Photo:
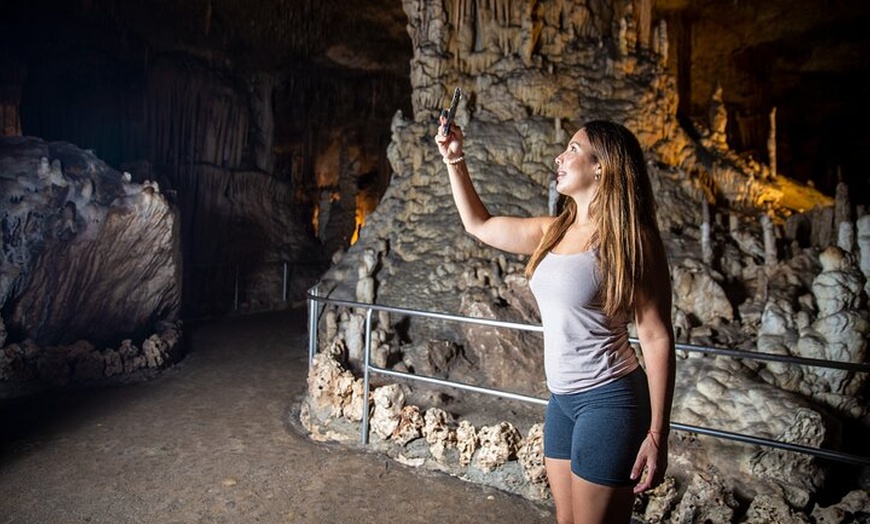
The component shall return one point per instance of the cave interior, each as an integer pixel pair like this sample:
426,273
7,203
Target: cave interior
304,92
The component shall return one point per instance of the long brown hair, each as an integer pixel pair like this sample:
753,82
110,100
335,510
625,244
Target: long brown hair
622,211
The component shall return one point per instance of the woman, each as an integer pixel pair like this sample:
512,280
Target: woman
591,268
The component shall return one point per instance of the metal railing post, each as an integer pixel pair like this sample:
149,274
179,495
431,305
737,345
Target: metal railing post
364,437
284,284
236,291
312,327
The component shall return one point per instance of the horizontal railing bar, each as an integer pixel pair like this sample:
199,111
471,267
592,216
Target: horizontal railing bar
716,433
737,353
430,314
727,435
460,385
749,439
790,359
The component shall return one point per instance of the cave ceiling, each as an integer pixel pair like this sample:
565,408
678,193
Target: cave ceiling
263,35
807,58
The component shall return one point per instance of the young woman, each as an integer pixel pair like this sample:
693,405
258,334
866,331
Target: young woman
592,269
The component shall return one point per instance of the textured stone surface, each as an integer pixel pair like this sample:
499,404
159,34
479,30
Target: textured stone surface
90,259
388,404
707,499
498,444
767,508
855,506
751,295
86,252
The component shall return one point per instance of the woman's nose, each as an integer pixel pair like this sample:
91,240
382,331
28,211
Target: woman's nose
558,160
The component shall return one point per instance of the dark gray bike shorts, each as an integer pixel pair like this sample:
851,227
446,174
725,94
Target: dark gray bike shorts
600,430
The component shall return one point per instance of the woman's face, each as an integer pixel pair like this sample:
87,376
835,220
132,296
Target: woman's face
576,167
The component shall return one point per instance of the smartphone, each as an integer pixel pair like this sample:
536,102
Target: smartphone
450,113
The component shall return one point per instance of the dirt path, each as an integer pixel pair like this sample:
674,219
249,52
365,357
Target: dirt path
209,442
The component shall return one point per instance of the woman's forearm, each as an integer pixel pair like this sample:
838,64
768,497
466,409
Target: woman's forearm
471,209
660,363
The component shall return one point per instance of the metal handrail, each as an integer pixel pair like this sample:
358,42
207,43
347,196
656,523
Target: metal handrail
368,368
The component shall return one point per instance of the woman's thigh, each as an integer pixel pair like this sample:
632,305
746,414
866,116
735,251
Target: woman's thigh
608,425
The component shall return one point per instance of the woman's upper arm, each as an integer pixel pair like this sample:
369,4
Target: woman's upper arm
653,296
513,234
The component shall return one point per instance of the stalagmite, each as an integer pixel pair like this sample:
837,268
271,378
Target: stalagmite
769,236
718,119
388,403
706,243
842,205
846,237
466,442
531,456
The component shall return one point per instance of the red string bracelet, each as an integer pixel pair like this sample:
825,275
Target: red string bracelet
652,435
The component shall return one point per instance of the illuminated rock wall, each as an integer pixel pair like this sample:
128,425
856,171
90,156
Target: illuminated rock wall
530,77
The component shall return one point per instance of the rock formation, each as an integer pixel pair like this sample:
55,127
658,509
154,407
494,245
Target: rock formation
90,260
526,78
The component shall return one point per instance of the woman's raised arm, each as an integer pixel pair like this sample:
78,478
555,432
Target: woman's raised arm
511,234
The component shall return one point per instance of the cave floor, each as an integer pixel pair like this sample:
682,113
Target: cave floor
211,441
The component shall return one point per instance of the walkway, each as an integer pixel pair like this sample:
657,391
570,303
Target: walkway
209,442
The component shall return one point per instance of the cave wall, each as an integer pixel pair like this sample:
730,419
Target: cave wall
216,112
801,59
742,277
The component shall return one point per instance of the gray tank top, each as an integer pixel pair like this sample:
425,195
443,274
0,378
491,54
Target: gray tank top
583,348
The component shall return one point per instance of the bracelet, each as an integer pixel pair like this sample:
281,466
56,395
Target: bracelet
454,161
653,437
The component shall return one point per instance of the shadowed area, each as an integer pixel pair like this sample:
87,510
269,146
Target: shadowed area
211,440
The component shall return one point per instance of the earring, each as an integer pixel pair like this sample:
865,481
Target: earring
598,175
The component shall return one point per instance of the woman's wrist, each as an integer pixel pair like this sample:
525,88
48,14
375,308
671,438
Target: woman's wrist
452,161
656,438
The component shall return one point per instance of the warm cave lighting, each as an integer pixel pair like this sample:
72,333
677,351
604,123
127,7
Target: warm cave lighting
360,221
366,202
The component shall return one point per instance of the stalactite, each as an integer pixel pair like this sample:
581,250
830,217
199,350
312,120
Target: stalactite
628,31
660,41
771,143
192,122
530,35
644,23
208,15
623,36
468,33
461,7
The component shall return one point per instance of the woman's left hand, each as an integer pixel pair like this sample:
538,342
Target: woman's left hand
651,462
